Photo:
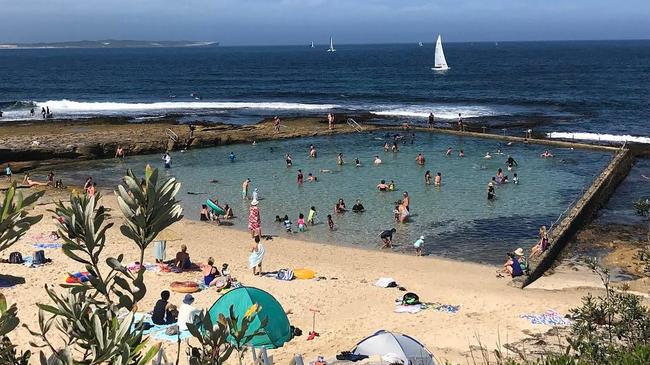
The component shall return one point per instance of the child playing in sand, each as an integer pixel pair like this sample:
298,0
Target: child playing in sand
418,246
330,222
301,222
311,216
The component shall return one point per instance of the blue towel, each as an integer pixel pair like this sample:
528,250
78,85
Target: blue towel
162,336
43,245
146,318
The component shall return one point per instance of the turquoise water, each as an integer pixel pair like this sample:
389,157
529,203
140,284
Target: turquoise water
456,219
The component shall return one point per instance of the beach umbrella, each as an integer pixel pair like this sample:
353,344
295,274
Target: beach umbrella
391,344
277,330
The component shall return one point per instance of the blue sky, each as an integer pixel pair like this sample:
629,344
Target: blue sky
243,22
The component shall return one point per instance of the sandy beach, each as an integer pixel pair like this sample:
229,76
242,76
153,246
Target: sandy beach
350,306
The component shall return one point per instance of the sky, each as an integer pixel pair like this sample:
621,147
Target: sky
279,22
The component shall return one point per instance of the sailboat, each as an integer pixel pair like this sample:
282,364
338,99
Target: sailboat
331,49
420,44
439,61
312,44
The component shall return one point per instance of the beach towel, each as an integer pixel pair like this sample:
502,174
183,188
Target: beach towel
162,336
412,309
160,250
47,245
549,318
446,308
77,277
256,257
135,267
386,283
146,318
5,283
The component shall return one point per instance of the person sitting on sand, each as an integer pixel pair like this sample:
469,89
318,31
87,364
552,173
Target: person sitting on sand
182,260
311,216
512,266
418,246
382,186
377,160
340,206
256,257
358,207
420,159
542,244
186,312
487,156
547,154
387,237
210,273
163,311
427,177
28,180
519,252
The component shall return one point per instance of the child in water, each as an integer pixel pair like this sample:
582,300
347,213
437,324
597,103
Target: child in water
330,222
391,186
418,246
301,222
311,216
515,179
287,224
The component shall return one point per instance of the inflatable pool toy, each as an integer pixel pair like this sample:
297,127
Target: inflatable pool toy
78,278
304,274
184,287
215,208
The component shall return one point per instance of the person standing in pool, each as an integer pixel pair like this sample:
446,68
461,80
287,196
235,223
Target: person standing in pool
288,160
300,178
448,153
119,153
231,157
406,200
461,153
357,163
427,177
255,195
490,191
386,147
358,207
377,160
244,188
382,186
312,151
510,162
254,220
339,159
167,159
438,179
311,216
330,222
387,237
420,159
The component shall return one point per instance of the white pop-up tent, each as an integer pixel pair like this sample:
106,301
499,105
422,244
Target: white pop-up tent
395,345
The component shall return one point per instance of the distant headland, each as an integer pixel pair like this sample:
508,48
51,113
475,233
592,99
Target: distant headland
109,43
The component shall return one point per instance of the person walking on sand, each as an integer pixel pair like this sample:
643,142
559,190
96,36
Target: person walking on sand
330,121
254,220
431,120
244,188
387,237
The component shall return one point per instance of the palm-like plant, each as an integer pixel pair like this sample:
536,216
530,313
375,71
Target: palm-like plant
148,206
14,221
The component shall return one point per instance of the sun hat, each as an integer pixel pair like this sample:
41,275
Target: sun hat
188,299
421,237
254,202
490,184
519,251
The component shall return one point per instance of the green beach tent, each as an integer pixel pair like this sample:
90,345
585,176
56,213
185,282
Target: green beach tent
277,330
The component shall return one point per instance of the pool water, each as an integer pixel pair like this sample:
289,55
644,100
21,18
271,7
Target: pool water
456,219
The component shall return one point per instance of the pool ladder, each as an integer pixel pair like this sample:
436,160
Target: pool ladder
353,123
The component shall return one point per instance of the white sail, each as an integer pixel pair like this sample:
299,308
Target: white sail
312,44
331,49
420,44
439,61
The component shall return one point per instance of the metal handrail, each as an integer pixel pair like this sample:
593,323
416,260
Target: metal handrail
353,123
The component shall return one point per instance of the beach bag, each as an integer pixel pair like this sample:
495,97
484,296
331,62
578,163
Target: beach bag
39,257
16,258
284,274
410,299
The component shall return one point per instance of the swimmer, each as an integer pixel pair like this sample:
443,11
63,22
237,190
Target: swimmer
491,194
377,160
487,156
300,177
391,186
382,186
427,177
311,177
386,147
288,160
312,151
448,153
511,162
119,152
515,179
325,171
301,222
340,206
461,153
330,222
358,207
254,143
406,200
357,163
438,179
231,157
339,159
546,154
395,149
420,159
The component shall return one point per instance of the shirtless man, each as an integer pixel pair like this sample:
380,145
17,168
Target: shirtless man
420,159
244,188
119,152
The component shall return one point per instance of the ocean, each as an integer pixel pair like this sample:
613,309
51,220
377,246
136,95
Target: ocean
597,87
